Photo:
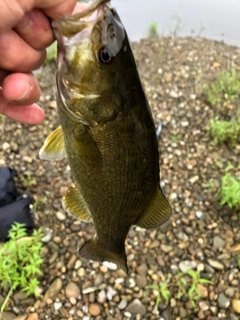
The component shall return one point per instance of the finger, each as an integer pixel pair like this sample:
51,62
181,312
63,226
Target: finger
31,114
35,29
17,55
20,88
14,10
57,8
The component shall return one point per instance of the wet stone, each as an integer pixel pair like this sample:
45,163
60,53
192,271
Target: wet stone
218,242
236,305
223,301
123,303
216,264
94,309
136,307
72,290
187,265
53,290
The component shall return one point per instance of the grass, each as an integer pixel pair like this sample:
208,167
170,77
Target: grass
225,89
185,284
230,188
20,262
153,30
51,53
225,131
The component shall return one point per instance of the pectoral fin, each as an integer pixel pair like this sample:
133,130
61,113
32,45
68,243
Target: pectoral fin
157,214
75,205
53,147
92,250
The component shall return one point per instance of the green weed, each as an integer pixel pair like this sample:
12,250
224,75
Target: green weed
29,180
230,189
225,131
225,89
51,53
153,30
20,262
175,138
185,284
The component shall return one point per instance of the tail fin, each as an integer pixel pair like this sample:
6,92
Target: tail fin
92,250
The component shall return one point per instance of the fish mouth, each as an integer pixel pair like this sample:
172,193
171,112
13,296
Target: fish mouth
71,29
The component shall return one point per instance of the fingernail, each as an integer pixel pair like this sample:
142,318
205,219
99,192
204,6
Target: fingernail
26,94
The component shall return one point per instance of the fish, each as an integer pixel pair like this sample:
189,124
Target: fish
106,132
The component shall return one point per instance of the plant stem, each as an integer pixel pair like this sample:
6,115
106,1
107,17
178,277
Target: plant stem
6,301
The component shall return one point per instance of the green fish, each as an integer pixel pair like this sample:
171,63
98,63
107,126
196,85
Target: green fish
107,133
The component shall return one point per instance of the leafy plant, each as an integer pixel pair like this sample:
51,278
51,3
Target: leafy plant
185,284
29,180
153,30
225,89
20,261
51,53
230,188
225,130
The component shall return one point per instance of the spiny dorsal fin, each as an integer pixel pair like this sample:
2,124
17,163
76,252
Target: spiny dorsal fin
75,205
53,147
157,214
93,250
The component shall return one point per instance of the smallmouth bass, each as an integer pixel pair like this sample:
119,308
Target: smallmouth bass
107,133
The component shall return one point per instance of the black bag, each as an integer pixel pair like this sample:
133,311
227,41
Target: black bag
14,207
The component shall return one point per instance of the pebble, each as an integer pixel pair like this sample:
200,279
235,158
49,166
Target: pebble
165,248
216,264
187,265
57,305
203,290
5,146
101,296
21,317
61,216
72,290
223,301
48,235
200,215
218,242
142,269
123,303
136,306
236,305
8,315
110,265
94,309
33,316
53,290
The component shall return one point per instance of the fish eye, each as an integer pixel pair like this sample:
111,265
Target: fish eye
104,56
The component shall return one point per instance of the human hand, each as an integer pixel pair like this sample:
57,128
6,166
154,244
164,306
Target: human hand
25,33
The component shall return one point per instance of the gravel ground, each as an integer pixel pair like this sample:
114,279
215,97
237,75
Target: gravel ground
203,233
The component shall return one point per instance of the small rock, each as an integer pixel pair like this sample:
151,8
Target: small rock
187,265
200,215
110,265
22,317
216,264
61,216
223,301
142,269
230,292
218,242
203,290
94,309
53,290
33,316
203,305
5,146
141,281
72,290
111,293
101,296
8,315
27,159
165,248
48,235
236,305
57,305
123,303
136,307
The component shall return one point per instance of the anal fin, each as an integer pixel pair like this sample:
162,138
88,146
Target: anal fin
53,147
92,250
158,212
75,205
